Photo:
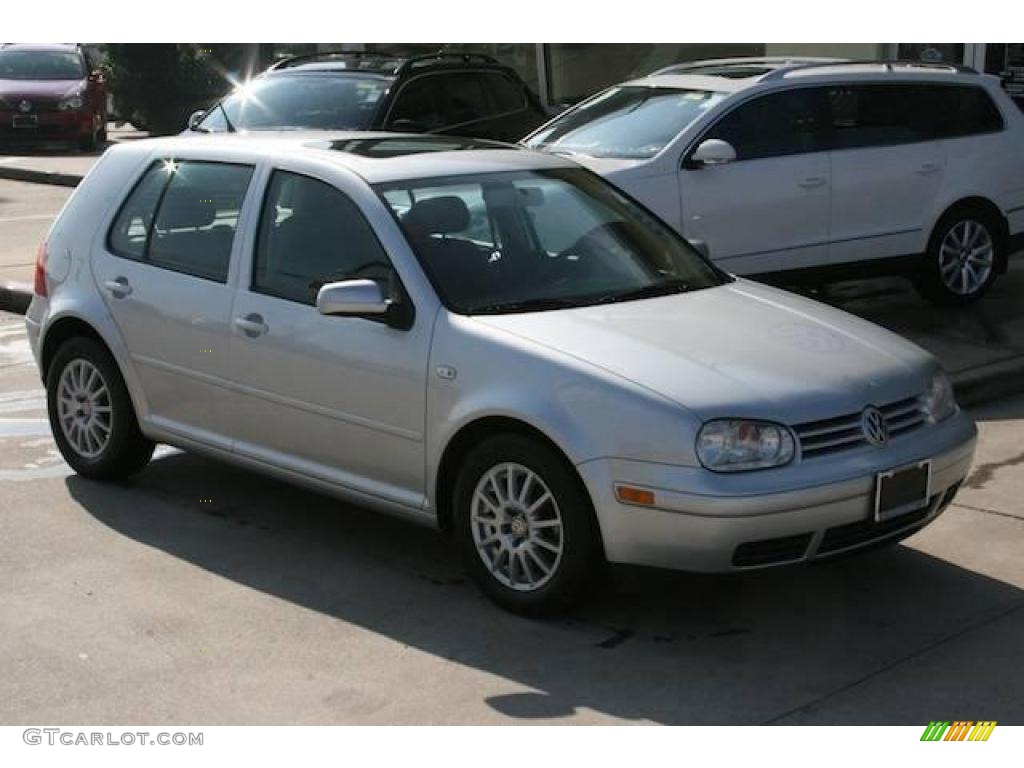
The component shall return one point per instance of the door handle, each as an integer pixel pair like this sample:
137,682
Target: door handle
119,287
812,182
928,168
251,325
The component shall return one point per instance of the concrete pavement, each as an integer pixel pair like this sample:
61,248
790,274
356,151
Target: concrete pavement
199,593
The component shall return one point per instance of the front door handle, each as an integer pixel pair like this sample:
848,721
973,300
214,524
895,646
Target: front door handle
812,182
119,287
928,168
251,325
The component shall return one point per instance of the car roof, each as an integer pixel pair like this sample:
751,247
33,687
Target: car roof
733,75
55,47
376,156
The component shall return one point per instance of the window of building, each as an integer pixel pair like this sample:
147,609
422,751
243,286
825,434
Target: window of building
785,123
196,205
311,234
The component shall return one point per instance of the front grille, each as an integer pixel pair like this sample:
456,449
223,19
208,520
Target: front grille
865,531
841,433
770,551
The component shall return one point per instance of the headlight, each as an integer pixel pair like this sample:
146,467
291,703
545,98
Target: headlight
72,102
939,402
733,445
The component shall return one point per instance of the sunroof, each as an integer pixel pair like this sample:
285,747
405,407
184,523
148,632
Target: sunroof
399,146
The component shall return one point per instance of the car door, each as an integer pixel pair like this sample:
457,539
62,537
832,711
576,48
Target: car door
163,270
887,169
339,399
767,210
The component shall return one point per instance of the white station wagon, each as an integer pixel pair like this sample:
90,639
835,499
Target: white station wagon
482,338
804,169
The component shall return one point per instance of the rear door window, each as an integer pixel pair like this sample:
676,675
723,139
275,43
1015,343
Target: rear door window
183,216
506,94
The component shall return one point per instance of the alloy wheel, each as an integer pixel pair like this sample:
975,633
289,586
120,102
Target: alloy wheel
966,257
517,527
84,408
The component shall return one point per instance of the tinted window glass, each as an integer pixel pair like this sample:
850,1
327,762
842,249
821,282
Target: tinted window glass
786,123
625,122
506,94
197,218
533,240
131,227
883,115
312,234
462,98
976,113
416,107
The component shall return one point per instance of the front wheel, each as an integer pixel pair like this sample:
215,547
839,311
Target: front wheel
525,526
91,413
962,257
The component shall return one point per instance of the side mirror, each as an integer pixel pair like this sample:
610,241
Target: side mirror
701,247
195,118
712,152
352,298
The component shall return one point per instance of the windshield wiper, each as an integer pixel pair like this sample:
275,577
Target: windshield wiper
526,305
664,288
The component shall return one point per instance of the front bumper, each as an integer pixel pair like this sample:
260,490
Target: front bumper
702,521
53,125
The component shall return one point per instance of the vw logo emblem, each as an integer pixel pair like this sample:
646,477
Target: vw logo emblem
876,430
25,106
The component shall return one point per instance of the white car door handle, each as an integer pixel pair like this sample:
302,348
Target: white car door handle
928,168
251,325
812,182
119,287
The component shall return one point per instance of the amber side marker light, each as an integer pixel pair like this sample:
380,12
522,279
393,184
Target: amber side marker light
627,494
39,281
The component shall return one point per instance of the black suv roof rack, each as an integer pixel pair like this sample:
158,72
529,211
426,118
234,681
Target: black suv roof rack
889,64
460,57
403,61
304,58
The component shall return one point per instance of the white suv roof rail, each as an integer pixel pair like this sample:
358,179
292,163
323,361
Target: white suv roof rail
747,61
890,65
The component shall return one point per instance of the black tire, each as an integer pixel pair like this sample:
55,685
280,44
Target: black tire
581,559
929,281
126,450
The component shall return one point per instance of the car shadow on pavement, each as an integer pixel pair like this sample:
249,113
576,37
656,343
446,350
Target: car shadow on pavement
892,637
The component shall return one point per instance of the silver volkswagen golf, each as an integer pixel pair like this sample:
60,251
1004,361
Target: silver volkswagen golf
484,339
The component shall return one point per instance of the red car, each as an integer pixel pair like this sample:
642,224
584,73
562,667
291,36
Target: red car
51,92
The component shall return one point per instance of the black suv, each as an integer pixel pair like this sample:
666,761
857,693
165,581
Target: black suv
462,94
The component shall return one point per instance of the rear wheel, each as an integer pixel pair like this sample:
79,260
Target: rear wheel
963,256
91,413
525,526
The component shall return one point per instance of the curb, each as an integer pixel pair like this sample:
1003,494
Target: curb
15,297
990,381
40,177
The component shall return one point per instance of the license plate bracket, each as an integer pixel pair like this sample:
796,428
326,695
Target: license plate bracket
25,121
902,490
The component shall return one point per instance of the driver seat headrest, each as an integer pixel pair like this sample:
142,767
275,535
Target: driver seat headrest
437,216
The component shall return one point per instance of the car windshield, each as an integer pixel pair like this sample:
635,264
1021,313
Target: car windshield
295,101
41,65
625,121
523,241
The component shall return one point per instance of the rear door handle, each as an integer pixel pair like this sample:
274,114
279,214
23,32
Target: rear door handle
252,325
119,287
812,182
928,168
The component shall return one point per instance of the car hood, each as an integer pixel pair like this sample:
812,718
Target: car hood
737,350
38,89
